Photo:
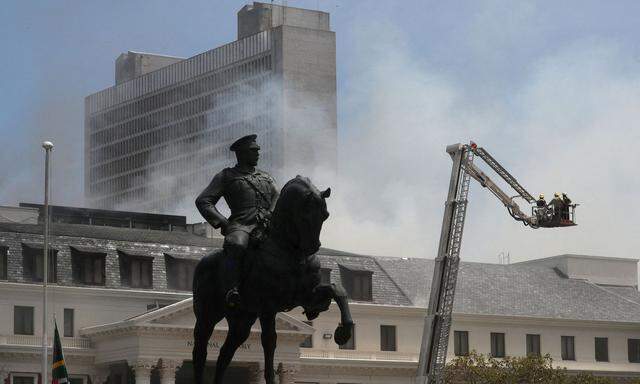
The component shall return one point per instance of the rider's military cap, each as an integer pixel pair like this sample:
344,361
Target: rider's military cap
245,142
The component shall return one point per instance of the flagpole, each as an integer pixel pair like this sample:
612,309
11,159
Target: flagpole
48,146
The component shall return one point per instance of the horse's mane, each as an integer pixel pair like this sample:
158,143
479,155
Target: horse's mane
292,197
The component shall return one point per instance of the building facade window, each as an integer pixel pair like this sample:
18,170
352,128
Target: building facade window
33,263
180,273
533,345
567,346
461,343
20,379
4,252
68,322
88,267
358,283
77,380
634,350
136,271
388,338
22,320
497,345
602,348
308,342
351,343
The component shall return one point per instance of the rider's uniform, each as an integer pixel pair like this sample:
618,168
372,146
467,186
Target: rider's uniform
249,196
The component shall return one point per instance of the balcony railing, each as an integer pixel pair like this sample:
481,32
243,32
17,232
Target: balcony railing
358,355
36,341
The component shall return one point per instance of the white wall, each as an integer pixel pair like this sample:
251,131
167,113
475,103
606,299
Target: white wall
92,306
409,323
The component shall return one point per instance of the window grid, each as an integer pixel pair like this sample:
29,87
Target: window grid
88,268
461,343
180,274
22,320
497,345
601,349
533,345
4,255
68,322
634,350
136,272
33,264
388,338
227,103
568,347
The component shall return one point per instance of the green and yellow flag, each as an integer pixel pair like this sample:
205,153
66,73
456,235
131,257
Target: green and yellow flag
59,373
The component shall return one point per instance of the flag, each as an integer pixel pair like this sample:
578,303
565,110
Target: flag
59,373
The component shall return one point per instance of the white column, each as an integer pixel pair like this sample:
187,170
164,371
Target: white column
142,370
168,370
288,372
99,376
4,373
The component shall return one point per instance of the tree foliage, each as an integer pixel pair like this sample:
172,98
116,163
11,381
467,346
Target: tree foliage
479,369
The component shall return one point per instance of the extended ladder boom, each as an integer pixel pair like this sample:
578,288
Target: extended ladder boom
435,335
437,325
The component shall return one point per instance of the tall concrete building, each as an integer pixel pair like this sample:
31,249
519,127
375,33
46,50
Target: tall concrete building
156,138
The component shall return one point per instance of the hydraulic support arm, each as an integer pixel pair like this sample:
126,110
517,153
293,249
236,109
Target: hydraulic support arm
435,337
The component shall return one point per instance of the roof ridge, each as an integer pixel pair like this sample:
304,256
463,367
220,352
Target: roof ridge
393,281
608,291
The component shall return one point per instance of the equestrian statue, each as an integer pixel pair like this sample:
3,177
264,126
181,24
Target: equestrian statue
267,264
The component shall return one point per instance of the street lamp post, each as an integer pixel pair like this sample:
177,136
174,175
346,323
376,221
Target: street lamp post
48,146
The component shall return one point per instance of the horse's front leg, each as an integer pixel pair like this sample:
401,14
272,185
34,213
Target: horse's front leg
269,339
327,292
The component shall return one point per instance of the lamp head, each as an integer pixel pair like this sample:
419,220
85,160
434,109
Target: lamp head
47,145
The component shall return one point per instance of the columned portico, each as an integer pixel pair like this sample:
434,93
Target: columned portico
99,376
162,340
4,374
288,372
256,374
168,369
142,370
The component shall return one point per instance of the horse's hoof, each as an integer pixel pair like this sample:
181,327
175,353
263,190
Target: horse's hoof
342,333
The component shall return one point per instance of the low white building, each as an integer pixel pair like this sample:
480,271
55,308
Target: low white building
122,300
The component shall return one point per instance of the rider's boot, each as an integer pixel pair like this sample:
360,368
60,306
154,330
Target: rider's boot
232,297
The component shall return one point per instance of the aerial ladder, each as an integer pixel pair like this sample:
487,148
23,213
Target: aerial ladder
435,336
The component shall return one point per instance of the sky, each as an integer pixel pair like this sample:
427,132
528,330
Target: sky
551,89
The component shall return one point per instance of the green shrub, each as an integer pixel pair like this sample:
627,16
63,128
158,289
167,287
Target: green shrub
479,369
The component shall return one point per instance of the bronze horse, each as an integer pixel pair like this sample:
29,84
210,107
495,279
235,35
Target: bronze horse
279,274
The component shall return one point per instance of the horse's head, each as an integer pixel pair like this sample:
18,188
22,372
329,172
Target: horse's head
299,213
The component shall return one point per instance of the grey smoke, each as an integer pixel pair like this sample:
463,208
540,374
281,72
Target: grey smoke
570,127
569,124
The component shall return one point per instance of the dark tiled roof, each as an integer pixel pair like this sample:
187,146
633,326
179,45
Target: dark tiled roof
524,290
183,256
629,293
384,289
114,233
90,250
518,290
